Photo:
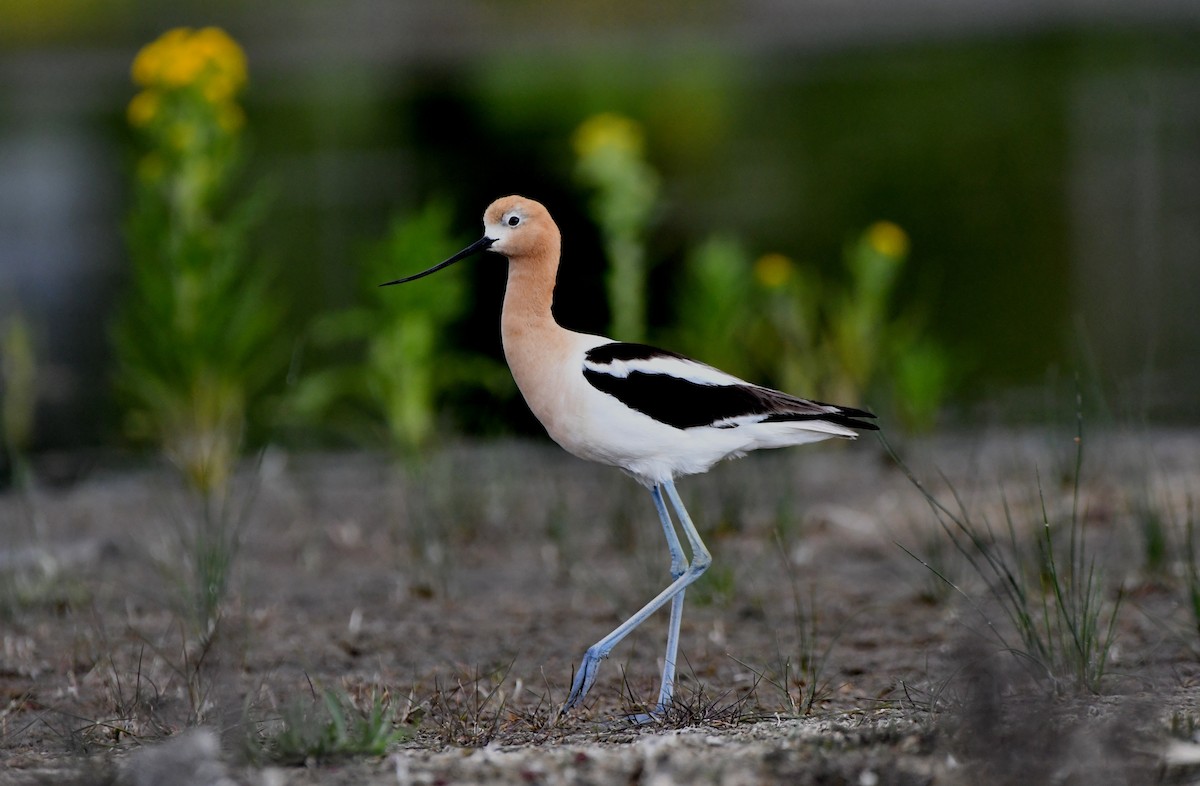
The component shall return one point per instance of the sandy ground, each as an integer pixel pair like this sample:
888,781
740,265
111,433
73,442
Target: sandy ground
461,591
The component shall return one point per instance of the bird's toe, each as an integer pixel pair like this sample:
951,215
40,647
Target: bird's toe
583,679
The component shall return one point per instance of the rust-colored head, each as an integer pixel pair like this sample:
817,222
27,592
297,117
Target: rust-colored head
519,228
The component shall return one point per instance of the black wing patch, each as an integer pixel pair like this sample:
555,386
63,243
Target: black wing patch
605,354
685,404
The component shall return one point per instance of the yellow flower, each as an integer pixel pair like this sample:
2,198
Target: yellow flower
887,239
224,54
143,108
182,67
773,270
182,57
146,65
608,129
175,38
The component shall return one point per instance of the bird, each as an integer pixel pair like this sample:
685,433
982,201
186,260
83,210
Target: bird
653,413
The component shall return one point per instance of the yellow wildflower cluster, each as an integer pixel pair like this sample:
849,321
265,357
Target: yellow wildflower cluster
608,129
887,239
206,60
773,270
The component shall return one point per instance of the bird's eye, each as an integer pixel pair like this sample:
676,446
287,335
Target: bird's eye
514,220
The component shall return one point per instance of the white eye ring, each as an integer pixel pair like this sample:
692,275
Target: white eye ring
513,220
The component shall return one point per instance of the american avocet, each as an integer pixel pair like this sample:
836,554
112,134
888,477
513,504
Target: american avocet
653,413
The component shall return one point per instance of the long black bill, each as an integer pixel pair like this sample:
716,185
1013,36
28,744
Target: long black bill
482,244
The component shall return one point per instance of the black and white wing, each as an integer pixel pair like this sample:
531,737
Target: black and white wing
684,393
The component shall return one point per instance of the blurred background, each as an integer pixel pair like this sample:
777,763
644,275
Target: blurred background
1033,169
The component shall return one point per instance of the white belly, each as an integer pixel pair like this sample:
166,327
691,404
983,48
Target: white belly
594,425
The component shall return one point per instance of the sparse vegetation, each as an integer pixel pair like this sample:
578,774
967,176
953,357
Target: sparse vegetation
836,339
804,682
470,712
196,341
26,580
1192,567
693,706
18,398
833,641
610,153
407,362
197,337
799,676
198,564
334,725
1046,583
1052,630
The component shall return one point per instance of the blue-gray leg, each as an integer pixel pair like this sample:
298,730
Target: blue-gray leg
701,559
674,592
678,566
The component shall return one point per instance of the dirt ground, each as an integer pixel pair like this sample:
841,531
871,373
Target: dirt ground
460,592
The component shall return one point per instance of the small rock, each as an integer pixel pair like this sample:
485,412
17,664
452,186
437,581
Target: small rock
190,759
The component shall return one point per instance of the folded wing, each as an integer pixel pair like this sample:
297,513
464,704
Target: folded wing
684,393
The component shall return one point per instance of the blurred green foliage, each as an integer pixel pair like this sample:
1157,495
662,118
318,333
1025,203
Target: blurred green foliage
330,726
878,345
712,302
611,161
409,358
196,339
787,342
924,375
845,340
842,340
973,143
18,392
